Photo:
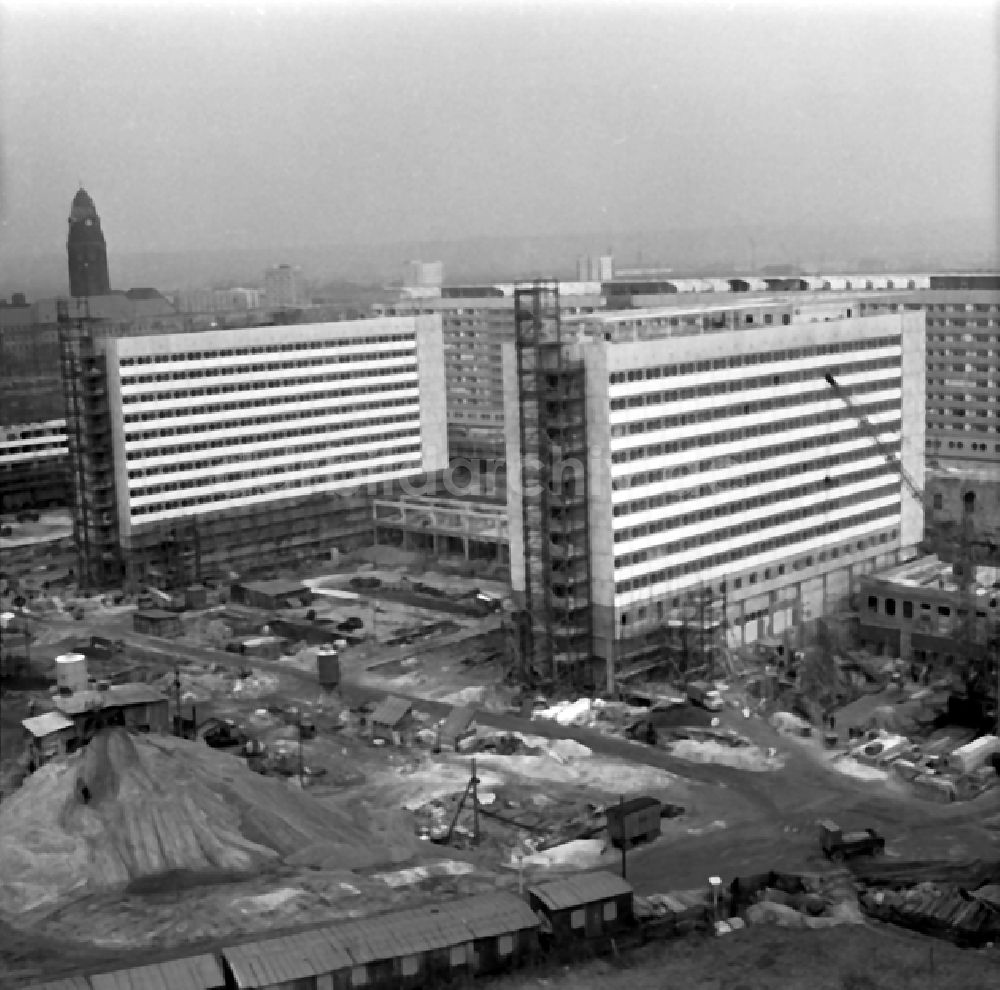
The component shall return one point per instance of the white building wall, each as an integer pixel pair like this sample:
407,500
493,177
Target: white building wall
227,418
692,511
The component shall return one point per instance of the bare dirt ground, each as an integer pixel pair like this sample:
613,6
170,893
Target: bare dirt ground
738,819
850,958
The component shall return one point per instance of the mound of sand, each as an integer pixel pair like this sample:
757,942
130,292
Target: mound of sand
128,808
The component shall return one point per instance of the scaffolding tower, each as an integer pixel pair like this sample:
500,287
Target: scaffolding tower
91,458
555,627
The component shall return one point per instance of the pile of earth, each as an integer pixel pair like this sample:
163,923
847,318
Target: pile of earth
127,808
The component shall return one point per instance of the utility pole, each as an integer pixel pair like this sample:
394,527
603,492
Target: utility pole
475,805
302,765
177,696
621,826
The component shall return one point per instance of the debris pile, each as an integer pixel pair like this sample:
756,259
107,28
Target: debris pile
125,809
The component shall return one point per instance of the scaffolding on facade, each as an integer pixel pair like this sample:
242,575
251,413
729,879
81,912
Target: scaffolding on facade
676,637
553,632
91,458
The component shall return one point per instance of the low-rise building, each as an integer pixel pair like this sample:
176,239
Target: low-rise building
134,706
157,622
392,720
271,595
917,612
584,906
49,735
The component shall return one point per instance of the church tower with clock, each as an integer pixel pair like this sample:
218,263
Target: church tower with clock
88,254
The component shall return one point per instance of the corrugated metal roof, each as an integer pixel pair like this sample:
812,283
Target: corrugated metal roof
488,915
585,888
391,710
70,983
290,957
44,725
458,720
193,973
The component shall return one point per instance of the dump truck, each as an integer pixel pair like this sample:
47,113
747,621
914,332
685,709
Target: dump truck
702,693
839,845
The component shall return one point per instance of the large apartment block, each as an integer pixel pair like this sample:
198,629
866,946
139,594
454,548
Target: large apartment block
707,455
198,453
475,322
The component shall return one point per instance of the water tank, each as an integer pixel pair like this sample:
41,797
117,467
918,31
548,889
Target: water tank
328,667
71,672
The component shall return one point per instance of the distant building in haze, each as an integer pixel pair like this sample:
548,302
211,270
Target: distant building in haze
88,254
284,288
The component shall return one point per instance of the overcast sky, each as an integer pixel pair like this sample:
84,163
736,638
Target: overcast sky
202,125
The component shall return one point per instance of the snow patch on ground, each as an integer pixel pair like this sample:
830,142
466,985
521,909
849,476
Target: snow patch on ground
270,901
852,768
606,775
740,757
578,854
467,696
417,874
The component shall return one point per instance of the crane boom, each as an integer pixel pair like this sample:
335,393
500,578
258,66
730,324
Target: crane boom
890,455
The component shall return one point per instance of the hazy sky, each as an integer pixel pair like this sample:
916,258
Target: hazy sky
202,125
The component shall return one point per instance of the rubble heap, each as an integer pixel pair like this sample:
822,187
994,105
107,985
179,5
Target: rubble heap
130,808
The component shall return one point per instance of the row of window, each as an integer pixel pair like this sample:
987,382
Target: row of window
735,555
254,350
332,445
643,451
252,474
360,380
768,574
748,360
747,480
276,400
290,415
642,478
718,388
720,510
279,437
226,371
210,500
724,533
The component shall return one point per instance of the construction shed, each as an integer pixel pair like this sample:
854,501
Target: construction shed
49,735
425,946
459,724
587,905
69,983
135,706
157,622
392,720
633,821
270,595
202,972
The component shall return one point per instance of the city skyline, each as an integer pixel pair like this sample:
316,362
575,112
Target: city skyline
324,124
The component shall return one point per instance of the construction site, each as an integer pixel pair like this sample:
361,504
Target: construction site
494,702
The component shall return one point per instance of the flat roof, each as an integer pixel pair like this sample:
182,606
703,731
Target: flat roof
585,888
44,725
117,695
274,588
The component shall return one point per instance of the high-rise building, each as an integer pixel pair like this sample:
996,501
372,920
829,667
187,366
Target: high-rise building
655,455
284,288
198,453
86,250
423,274
475,321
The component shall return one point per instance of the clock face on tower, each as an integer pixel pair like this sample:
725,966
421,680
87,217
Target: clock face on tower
88,222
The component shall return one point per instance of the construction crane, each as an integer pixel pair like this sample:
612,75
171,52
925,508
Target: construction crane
964,564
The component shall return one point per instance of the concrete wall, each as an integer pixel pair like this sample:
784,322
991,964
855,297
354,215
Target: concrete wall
512,444
433,410
911,527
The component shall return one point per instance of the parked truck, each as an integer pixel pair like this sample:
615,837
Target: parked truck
839,845
703,694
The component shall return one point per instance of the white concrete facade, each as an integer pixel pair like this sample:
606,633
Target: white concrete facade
719,455
222,419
